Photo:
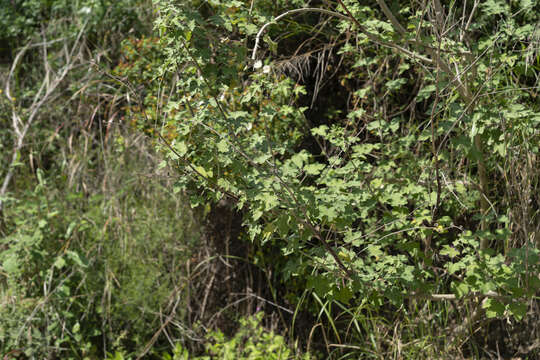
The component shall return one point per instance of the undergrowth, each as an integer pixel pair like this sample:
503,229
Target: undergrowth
268,180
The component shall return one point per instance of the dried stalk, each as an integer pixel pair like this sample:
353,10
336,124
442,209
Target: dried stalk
48,86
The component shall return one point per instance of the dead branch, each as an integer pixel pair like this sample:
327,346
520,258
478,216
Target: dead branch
48,86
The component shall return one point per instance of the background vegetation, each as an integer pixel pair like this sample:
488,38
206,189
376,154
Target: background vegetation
269,179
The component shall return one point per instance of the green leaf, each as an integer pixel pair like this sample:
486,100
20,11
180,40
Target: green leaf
494,308
344,294
408,274
461,289
70,229
73,256
257,214
327,212
363,149
450,252
396,84
375,251
203,172
487,286
519,310
425,92
180,148
223,146
251,29
60,262
261,159
321,130
397,199
299,159
11,264
314,169
320,284
270,201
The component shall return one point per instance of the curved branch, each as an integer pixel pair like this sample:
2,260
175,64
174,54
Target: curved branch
287,13
374,38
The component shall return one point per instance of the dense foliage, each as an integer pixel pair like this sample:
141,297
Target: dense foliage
386,189
375,165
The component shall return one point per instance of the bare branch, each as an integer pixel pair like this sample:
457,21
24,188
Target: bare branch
470,19
391,17
46,89
439,14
